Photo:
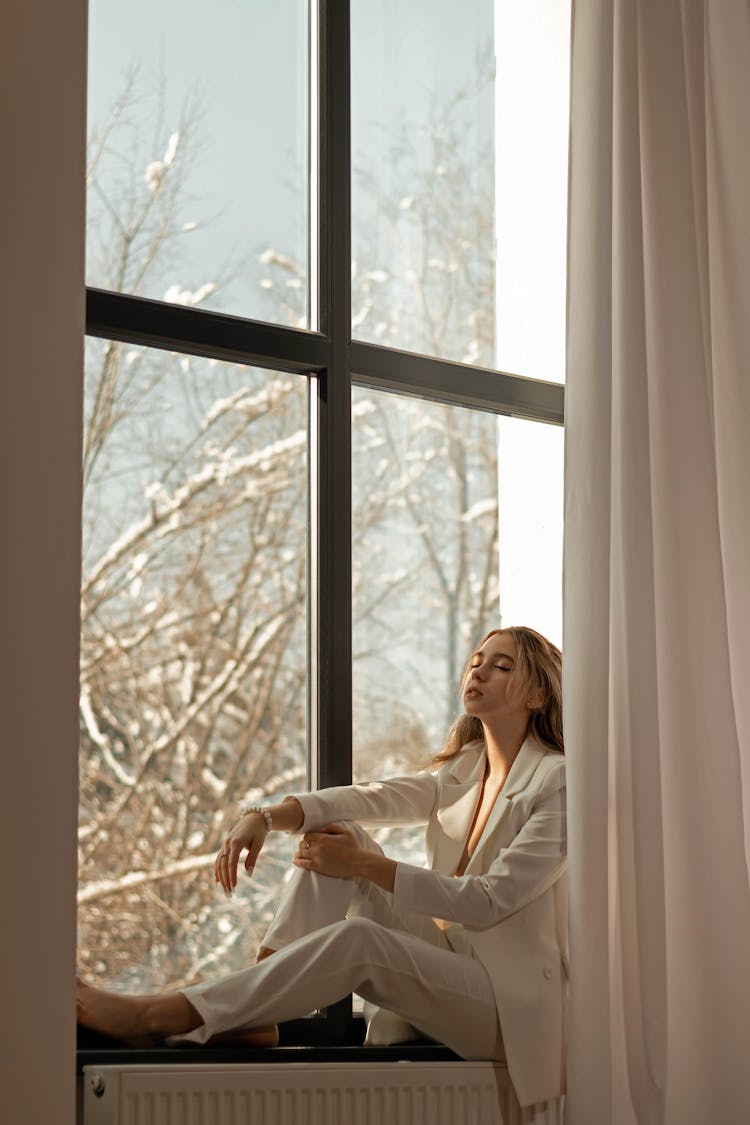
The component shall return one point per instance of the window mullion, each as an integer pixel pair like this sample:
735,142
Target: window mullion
440,380
330,549
332,634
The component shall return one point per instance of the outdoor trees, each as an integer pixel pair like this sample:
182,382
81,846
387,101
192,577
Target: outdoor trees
193,651
423,280
193,683
194,592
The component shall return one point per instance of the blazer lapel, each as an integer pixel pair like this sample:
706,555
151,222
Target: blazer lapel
519,776
456,807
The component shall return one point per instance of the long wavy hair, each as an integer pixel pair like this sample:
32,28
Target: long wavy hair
537,675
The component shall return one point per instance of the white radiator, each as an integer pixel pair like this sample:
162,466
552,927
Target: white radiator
402,1093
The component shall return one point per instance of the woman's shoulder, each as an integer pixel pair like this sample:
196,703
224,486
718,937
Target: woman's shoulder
550,772
460,765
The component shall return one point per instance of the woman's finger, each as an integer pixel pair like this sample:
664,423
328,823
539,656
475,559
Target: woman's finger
222,862
232,861
251,859
225,871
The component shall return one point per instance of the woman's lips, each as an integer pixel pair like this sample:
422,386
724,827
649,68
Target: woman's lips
472,693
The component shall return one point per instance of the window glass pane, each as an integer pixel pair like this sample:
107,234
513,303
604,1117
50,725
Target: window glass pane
459,179
532,44
457,530
423,270
194,653
425,575
198,154
530,491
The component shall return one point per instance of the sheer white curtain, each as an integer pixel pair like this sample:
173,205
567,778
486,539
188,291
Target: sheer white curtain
657,562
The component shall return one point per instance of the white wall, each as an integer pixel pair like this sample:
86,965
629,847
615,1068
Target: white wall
42,125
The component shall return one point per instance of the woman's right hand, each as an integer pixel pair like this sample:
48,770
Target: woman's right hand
250,832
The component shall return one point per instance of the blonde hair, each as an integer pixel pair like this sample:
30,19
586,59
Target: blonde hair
537,674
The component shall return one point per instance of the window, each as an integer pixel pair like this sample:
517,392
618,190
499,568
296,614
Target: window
198,170
315,447
193,649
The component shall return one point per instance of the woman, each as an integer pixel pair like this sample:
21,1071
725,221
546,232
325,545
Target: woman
471,951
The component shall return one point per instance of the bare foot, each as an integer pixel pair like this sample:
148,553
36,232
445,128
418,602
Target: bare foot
143,1021
252,1037
122,1017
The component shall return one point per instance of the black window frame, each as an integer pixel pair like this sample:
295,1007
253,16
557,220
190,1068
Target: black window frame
337,362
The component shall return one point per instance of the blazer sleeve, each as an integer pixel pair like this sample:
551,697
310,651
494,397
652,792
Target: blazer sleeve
398,800
535,859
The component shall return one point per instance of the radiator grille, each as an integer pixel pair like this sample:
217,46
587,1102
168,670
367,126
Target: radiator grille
404,1093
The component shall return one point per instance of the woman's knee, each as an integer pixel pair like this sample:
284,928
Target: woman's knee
361,934
364,839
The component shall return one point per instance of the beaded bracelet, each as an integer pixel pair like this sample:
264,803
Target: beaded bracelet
263,812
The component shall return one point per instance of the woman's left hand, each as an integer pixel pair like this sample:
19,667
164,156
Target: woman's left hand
331,851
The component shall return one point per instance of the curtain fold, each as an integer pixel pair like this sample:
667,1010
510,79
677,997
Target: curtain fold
657,562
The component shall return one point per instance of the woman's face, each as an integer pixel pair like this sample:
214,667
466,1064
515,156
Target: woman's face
485,688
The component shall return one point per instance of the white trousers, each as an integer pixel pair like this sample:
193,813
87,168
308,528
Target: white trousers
336,936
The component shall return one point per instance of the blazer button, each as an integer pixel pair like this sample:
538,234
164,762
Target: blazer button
547,974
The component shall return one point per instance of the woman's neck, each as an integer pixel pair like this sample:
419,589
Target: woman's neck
503,745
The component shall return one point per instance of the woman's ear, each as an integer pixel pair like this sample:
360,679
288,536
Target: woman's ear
535,701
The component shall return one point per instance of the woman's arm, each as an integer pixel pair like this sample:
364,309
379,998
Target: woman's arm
331,849
535,859
286,817
520,873
397,800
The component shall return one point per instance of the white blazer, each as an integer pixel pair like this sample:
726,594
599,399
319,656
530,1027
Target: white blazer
511,903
